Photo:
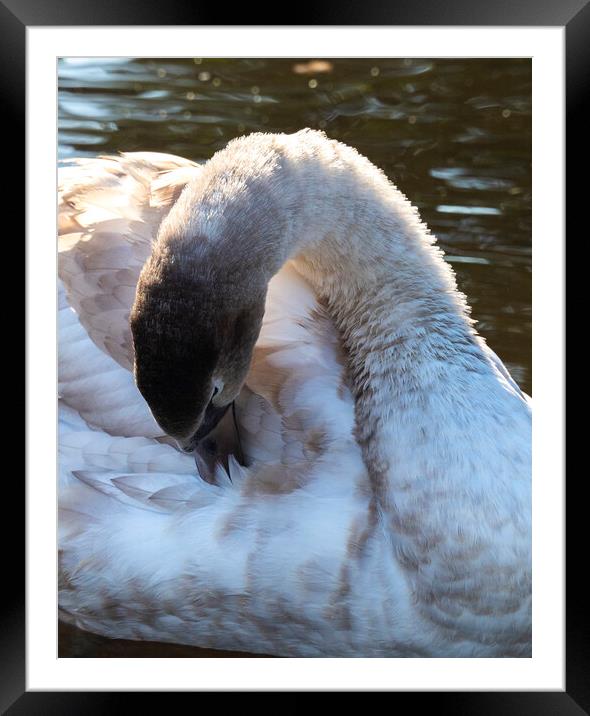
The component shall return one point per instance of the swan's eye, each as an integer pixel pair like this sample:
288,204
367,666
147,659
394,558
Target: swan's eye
215,391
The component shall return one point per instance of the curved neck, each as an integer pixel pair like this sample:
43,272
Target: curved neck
362,246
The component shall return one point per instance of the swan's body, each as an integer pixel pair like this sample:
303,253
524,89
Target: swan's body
386,507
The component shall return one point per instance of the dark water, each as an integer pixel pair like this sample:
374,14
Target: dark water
75,643
454,135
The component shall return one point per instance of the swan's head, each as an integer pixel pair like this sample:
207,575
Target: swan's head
193,337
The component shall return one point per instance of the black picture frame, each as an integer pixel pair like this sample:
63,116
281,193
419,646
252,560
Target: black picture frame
574,15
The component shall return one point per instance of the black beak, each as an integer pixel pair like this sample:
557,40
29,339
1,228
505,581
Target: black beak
211,418
205,450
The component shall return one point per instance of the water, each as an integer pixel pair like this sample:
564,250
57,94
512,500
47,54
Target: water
453,135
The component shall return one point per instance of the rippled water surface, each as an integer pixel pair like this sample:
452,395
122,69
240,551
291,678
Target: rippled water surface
454,135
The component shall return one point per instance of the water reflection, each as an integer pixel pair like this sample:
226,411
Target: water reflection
454,135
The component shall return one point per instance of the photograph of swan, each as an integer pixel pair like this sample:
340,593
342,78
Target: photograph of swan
280,430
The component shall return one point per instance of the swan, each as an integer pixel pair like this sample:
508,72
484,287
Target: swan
369,492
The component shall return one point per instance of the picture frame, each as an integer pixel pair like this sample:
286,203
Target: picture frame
574,17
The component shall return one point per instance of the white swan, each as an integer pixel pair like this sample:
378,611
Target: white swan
385,509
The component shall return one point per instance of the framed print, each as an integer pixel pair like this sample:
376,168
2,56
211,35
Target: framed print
225,460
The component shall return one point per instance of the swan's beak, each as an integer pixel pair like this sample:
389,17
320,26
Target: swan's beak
206,458
206,450
203,448
212,417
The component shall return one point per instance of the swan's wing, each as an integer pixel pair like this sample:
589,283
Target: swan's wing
108,214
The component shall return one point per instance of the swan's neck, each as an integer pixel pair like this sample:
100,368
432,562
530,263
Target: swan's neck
361,244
